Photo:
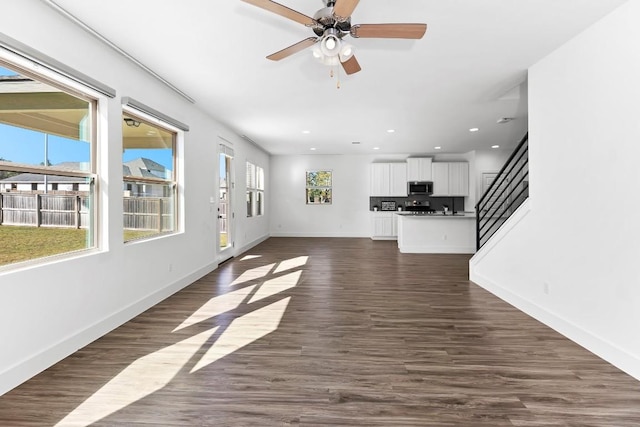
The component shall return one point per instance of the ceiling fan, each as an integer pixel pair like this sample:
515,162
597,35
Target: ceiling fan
331,24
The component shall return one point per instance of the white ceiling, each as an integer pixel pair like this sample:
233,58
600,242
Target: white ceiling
468,71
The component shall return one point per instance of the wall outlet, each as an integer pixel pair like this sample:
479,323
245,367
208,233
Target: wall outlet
545,288
170,267
444,237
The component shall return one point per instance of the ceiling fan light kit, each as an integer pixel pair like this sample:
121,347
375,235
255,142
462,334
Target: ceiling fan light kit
331,24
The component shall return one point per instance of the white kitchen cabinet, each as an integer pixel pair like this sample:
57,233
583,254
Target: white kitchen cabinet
419,169
389,179
459,179
380,180
450,179
440,175
398,179
384,226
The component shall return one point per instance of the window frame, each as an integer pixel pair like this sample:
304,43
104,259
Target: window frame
174,183
260,189
13,61
254,189
309,188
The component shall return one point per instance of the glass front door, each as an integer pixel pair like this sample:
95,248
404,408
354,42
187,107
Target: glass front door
225,213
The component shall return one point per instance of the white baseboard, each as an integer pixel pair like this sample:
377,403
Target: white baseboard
22,371
604,349
320,234
418,249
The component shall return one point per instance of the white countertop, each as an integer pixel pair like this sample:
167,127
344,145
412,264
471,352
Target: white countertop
439,215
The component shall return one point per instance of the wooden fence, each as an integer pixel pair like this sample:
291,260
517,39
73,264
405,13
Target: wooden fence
148,213
48,210
73,211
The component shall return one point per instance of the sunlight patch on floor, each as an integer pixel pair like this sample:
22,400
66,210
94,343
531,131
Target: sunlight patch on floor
243,331
273,286
146,375
253,274
291,263
248,257
154,371
217,305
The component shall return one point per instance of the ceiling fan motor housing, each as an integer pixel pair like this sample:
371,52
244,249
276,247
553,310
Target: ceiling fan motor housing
325,18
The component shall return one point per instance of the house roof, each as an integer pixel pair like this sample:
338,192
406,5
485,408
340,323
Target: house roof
141,167
145,168
36,178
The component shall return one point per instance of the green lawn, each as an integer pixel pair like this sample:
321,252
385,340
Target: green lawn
138,234
23,243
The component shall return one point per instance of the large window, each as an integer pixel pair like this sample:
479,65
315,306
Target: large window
255,190
47,143
149,172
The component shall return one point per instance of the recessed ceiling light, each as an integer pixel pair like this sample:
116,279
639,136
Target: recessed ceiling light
306,132
391,130
312,149
474,130
376,148
495,146
437,148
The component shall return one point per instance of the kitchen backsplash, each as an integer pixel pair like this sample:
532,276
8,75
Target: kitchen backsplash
436,203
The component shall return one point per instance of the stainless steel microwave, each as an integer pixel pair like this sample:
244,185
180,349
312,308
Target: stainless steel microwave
419,188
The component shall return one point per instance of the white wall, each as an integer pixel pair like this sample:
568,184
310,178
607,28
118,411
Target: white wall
50,310
346,216
248,231
571,259
486,161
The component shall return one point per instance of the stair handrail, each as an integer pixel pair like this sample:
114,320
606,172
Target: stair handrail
505,166
502,202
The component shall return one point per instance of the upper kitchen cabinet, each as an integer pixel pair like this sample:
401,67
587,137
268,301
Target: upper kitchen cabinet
450,179
419,169
459,179
389,179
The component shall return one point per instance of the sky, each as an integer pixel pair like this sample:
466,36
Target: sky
26,146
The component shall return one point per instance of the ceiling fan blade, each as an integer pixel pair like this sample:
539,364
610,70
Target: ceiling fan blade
288,51
344,8
389,31
351,65
281,10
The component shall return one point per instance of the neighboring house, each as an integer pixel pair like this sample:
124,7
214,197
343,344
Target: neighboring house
144,168
138,168
33,182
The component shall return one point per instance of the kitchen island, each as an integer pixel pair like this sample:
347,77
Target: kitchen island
436,233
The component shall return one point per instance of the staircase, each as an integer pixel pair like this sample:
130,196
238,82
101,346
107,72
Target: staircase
507,192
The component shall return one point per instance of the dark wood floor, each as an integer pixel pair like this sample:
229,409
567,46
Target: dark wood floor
317,332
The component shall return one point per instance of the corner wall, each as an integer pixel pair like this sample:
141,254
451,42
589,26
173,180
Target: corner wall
570,261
